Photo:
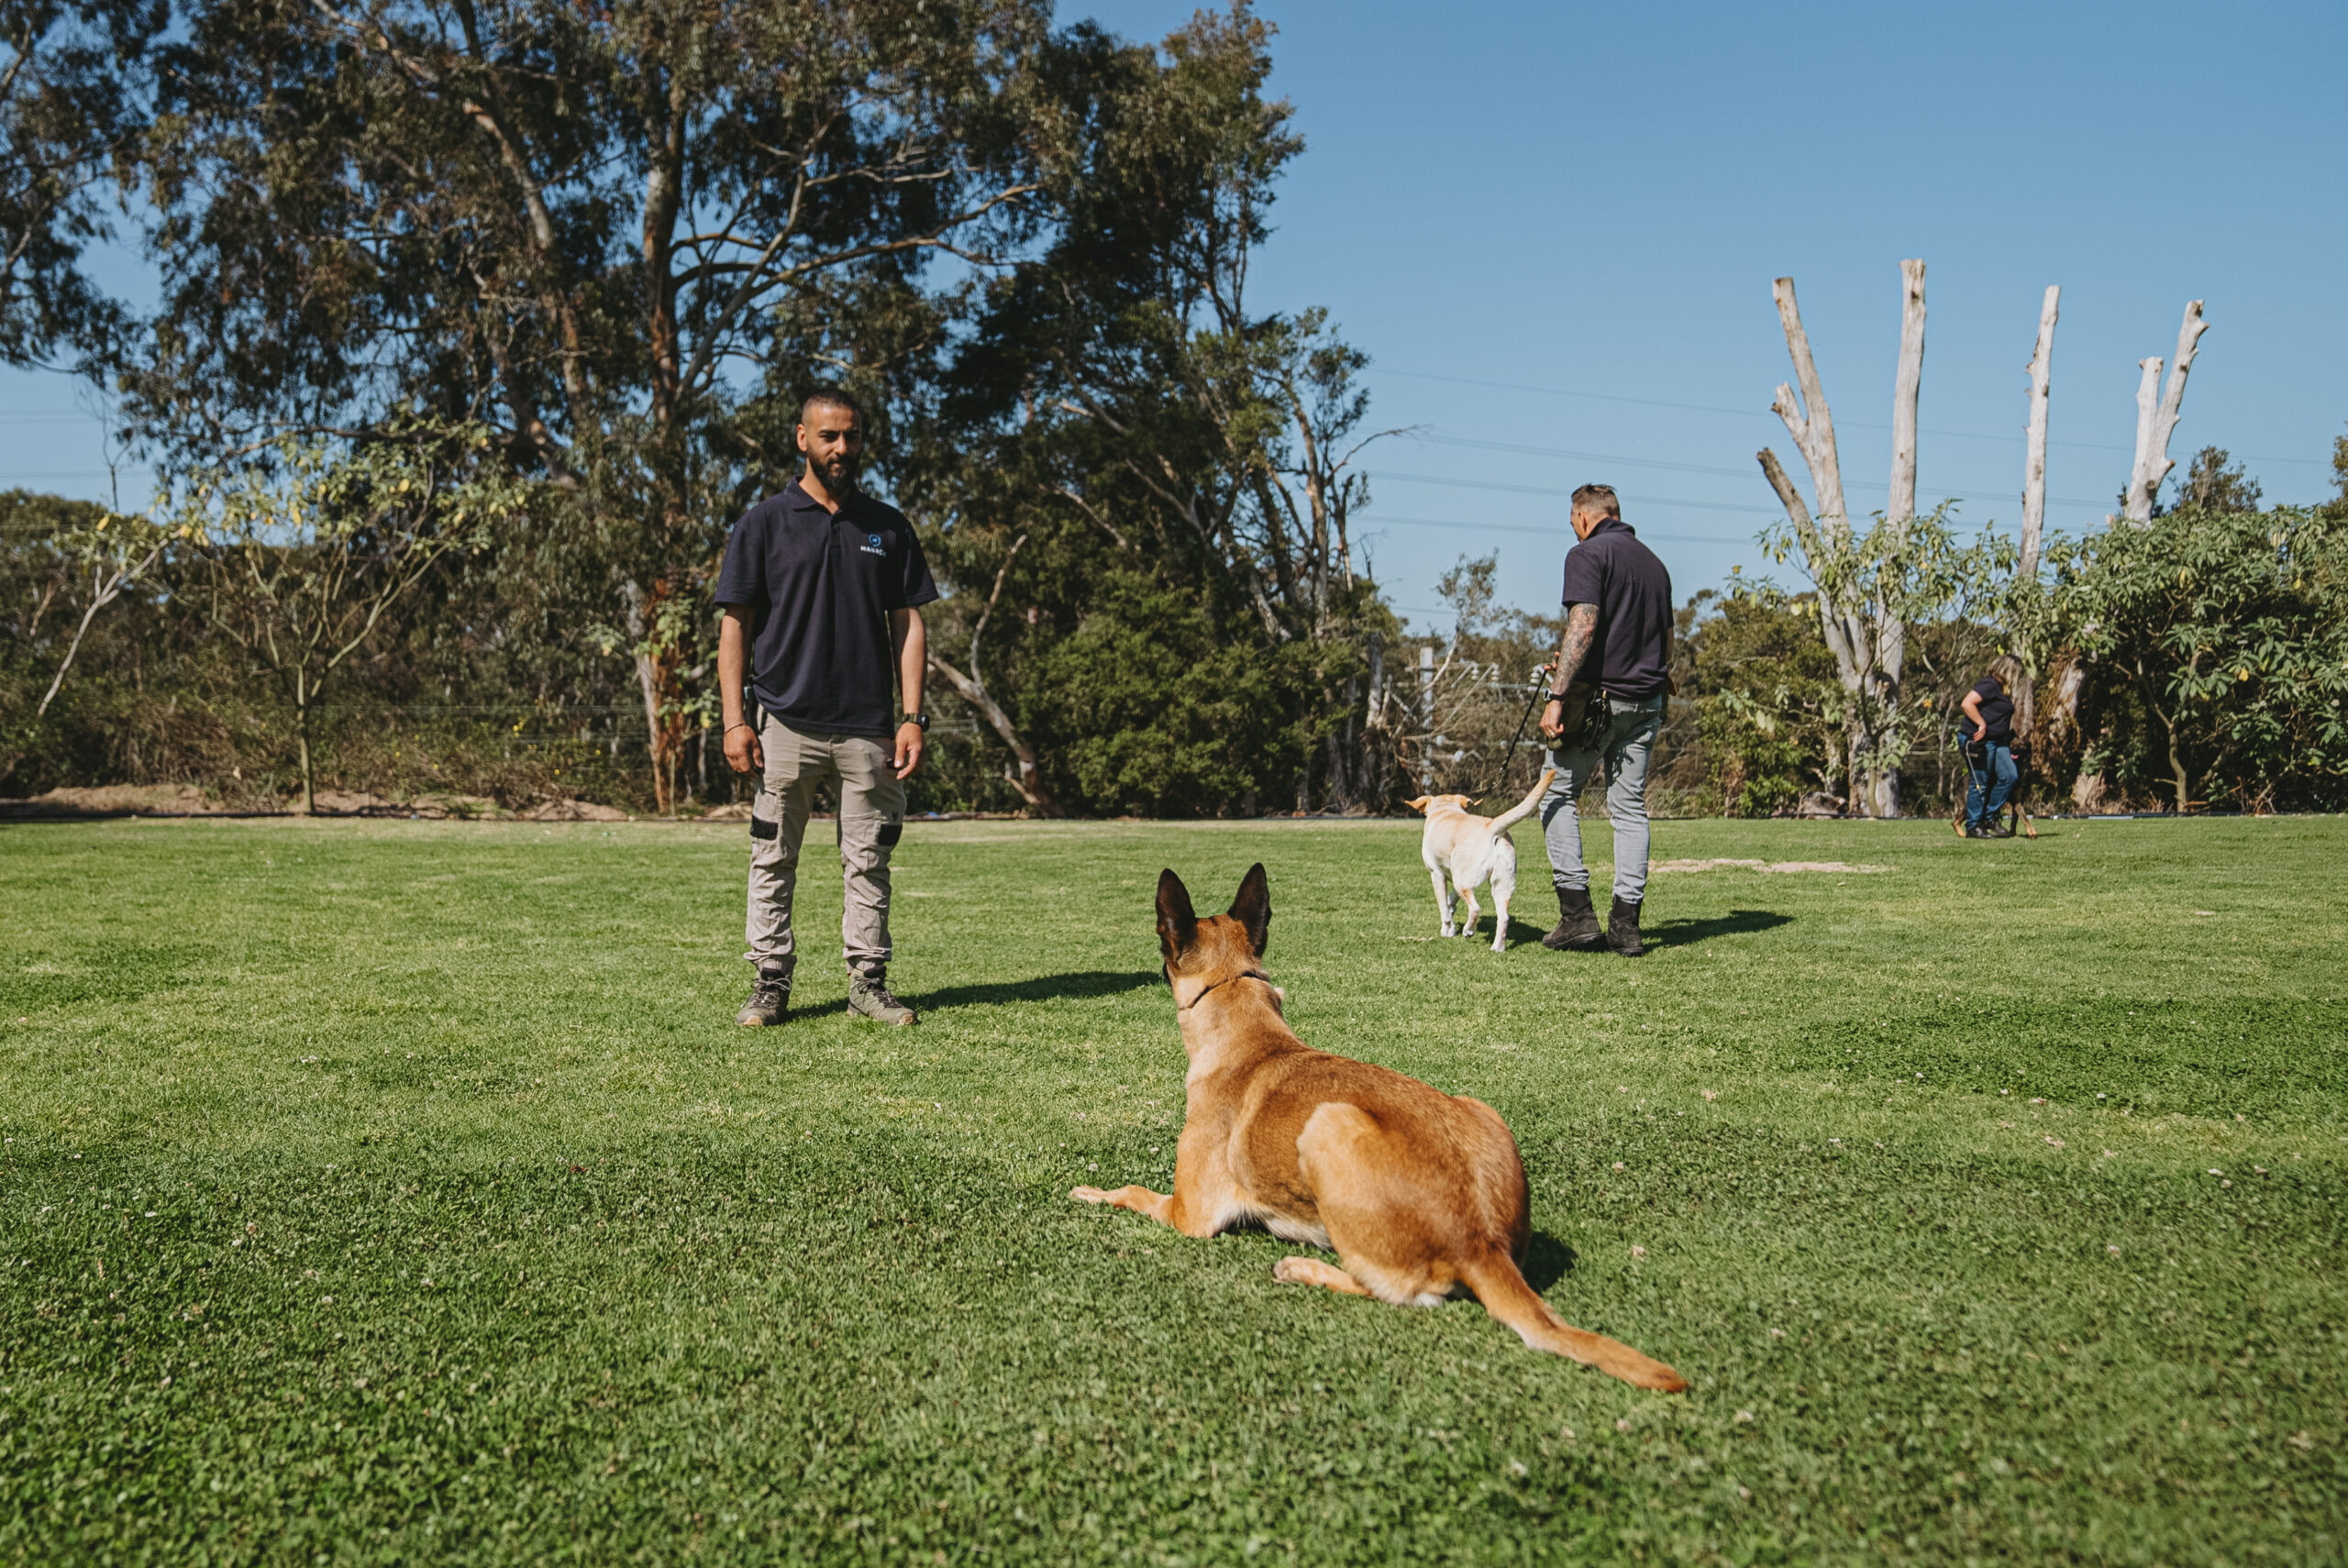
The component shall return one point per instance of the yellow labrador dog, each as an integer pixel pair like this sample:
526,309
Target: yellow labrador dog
1421,1193
1473,850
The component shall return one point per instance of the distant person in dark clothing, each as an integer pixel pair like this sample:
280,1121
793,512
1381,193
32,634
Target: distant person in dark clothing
1605,706
1989,748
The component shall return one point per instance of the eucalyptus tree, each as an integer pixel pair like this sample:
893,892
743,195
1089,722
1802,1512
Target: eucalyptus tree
74,89
1124,425
624,237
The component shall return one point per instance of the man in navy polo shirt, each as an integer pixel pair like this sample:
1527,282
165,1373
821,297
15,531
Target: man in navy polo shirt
822,587
1606,705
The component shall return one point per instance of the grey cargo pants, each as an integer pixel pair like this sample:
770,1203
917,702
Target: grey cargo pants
872,817
1631,728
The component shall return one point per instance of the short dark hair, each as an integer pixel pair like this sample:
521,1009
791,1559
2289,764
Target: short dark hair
1598,498
831,394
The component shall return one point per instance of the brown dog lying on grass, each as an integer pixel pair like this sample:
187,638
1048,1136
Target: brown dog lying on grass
1420,1193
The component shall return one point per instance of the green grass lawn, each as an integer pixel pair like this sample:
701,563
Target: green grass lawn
401,1192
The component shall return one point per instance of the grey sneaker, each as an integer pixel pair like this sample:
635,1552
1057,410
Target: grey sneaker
869,994
769,1002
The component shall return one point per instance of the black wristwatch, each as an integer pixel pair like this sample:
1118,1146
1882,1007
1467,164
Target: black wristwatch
920,719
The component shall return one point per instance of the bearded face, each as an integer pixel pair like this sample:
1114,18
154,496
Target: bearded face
833,439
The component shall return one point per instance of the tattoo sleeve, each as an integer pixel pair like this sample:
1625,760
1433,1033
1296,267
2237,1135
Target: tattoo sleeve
1581,630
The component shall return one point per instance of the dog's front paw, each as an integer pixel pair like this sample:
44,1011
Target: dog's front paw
1449,930
1088,1195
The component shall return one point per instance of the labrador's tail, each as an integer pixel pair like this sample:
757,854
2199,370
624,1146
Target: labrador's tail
1526,807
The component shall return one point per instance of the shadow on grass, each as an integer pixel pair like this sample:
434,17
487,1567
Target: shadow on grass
1547,1260
1674,933
1044,988
1737,922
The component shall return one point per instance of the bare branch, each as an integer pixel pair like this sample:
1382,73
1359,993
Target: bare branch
1810,423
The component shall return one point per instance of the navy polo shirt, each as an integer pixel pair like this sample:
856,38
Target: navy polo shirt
816,589
1632,654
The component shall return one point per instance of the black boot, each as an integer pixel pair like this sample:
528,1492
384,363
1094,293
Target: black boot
1577,925
1622,929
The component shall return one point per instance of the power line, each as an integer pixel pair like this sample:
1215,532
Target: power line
1558,532
1671,464
1764,413
1700,505
1555,490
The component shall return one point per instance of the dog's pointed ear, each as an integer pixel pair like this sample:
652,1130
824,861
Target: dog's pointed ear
1177,922
1253,907
1418,805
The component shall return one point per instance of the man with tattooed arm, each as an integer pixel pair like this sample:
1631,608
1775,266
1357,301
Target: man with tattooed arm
1606,705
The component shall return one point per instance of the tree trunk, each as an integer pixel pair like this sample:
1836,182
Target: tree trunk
2157,422
302,739
1426,709
2034,478
1812,424
647,680
2183,780
1891,626
1029,778
1343,784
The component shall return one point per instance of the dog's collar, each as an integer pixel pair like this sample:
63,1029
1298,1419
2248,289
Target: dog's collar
1242,975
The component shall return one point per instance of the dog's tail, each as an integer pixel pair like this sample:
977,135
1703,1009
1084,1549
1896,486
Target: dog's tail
1526,807
1499,1285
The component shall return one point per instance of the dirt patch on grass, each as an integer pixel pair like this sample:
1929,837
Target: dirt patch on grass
573,811
116,801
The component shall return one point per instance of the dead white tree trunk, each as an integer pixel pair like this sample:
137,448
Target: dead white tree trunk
2155,423
2034,475
1809,421
1826,542
2034,494
1891,626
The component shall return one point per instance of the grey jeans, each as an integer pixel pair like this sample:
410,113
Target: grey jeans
1631,728
872,817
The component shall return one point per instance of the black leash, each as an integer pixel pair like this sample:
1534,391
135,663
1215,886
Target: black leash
1539,687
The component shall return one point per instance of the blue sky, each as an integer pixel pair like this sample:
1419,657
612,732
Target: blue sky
1554,227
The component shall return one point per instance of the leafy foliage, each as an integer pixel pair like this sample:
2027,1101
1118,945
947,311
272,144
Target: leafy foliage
1155,477
2214,483
1768,707
2218,643
72,101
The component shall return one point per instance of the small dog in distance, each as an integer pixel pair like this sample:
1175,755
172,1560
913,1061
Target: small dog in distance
1472,850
